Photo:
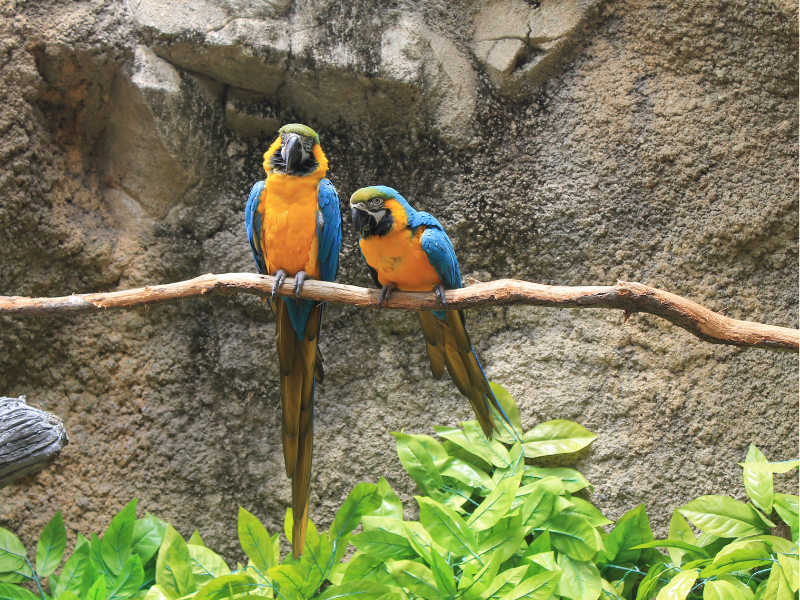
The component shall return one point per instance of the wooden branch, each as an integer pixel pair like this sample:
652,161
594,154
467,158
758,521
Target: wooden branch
29,437
629,297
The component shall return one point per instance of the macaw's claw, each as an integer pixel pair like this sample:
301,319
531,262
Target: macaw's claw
280,276
299,280
439,291
386,292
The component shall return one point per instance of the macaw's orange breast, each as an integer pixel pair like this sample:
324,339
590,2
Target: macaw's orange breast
400,260
289,223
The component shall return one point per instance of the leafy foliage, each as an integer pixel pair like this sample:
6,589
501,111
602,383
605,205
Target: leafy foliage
490,527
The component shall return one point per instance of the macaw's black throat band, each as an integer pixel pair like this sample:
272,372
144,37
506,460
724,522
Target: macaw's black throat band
365,225
306,167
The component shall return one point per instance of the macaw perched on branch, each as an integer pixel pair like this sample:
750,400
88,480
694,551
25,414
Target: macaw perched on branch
295,229
409,250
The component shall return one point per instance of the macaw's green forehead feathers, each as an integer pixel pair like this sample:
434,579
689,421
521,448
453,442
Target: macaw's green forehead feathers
300,130
366,194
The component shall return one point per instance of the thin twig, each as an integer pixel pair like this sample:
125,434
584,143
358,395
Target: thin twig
628,297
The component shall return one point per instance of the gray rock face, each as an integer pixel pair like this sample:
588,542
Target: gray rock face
571,142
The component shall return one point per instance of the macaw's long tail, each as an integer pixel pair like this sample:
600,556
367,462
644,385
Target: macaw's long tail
298,364
448,346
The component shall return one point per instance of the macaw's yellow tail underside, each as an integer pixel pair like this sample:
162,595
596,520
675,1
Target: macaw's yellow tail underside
449,346
298,364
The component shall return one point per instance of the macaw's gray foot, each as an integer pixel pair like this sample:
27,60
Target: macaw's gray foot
438,289
299,280
279,275
386,292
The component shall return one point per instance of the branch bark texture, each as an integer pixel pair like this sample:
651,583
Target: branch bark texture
629,297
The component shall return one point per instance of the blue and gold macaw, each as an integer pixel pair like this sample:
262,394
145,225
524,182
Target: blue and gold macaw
410,251
295,229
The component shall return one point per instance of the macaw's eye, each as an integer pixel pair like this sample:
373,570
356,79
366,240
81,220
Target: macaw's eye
374,203
308,144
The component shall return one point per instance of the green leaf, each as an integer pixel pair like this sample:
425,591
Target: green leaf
293,579
227,587
362,500
74,570
67,596
786,507
355,590
631,530
255,540
515,469
459,438
419,539
418,462
588,511
12,552
495,506
129,579
443,575
573,480
538,587
147,536
174,566
194,540
508,431
206,564
770,467
415,577
13,592
494,451
650,581
445,526
679,587
679,531
721,590
581,580
540,544
538,507
390,506
96,559
746,593
505,543
758,485
381,544
98,590
434,449
790,570
724,517
573,536
738,556
51,545
673,544
366,568
466,473
116,544
505,581
556,437
778,587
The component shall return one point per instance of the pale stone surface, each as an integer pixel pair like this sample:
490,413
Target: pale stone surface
651,141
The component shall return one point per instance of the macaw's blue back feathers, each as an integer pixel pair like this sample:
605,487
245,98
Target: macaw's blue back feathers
439,250
329,231
252,221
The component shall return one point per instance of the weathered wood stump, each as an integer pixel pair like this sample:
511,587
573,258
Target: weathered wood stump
29,437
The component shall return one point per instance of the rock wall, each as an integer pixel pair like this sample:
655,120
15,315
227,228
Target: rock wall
571,142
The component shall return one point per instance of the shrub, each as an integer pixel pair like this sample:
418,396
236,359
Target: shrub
490,527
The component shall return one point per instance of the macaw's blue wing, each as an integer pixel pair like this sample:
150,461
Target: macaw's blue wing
329,230
439,249
252,221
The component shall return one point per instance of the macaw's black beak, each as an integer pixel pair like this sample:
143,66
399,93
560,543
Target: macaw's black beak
292,151
358,220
